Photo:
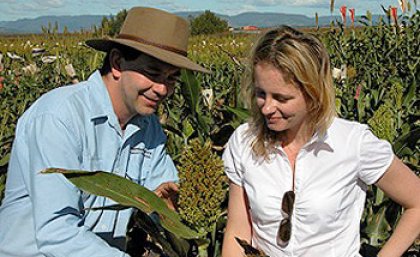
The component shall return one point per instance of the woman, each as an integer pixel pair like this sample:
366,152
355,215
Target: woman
298,174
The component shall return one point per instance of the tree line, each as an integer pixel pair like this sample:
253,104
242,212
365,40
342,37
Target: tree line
203,24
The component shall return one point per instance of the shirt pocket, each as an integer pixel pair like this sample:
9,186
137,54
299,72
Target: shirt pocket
135,166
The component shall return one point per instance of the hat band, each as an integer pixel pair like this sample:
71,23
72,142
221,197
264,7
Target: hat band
143,41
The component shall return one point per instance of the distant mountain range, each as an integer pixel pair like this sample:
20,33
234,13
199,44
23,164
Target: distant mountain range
76,23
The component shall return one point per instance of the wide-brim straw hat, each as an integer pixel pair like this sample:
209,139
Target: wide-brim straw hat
154,32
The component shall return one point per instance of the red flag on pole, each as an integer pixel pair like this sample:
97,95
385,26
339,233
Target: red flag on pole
394,15
351,10
343,14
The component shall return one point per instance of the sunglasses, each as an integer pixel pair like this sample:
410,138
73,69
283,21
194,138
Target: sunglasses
285,229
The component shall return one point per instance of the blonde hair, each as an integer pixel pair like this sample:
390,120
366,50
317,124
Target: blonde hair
304,62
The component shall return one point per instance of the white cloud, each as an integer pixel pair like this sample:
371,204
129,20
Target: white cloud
51,3
168,5
237,10
266,2
26,7
302,3
310,2
114,6
259,3
19,6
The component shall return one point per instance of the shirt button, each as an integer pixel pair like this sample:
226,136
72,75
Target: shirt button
103,226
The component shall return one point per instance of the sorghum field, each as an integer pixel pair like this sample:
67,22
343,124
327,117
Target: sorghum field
376,74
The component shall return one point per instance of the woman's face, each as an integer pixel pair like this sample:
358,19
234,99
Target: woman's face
281,103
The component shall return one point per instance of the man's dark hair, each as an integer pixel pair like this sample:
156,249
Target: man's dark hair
127,52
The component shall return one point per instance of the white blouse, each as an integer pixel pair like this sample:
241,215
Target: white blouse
331,177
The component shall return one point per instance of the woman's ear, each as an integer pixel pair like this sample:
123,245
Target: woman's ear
115,58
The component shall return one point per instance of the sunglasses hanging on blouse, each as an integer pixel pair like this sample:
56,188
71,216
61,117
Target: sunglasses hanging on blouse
287,204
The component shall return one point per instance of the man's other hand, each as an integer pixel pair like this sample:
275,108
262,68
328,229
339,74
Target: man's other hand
168,191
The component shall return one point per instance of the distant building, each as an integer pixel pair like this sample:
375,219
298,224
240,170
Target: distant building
250,28
245,29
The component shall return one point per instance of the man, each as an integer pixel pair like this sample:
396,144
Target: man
105,123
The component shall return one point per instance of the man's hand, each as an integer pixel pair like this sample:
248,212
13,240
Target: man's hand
168,191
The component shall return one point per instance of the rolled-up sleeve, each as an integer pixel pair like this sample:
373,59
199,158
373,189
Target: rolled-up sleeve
57,204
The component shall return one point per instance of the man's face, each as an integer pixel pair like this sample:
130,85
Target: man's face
145,83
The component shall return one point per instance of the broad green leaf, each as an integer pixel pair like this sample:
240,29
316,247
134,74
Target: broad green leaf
204,123
410,95
128,193
180,245
174,131
145,222
242,113
379,196
173,115
190,89
187,129
402,141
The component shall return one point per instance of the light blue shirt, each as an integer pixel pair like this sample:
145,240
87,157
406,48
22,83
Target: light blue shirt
75,127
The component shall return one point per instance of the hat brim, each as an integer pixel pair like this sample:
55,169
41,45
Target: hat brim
172,58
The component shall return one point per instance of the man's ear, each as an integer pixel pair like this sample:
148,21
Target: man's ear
115,58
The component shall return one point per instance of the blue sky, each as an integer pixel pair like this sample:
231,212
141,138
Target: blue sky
18,9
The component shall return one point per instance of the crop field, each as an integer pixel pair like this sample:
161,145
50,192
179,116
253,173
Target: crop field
376,75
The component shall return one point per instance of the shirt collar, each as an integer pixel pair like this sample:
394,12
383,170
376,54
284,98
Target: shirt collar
319,142
135,124
319,138
100,101
316,140
101,105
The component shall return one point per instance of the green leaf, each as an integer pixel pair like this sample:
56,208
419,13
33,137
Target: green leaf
173,115
180,245
203,123
242,113
5,160
410,96
128,193
187,129
145,222
190,89
249,250
114,207
379,196
378,227
402,141
2,182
